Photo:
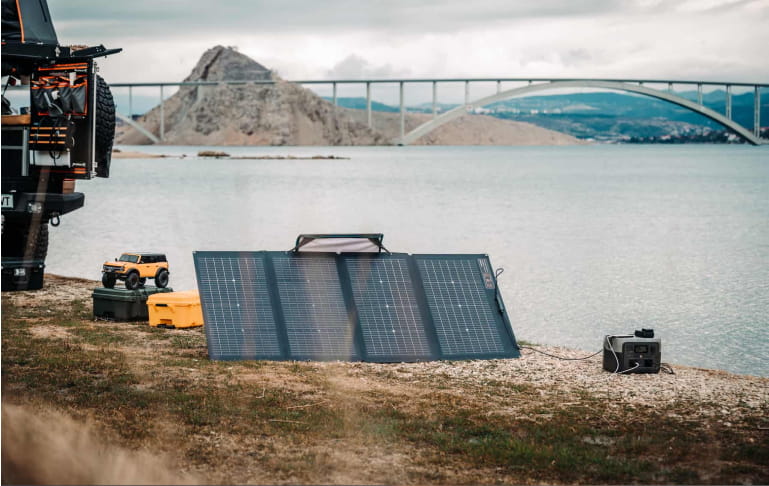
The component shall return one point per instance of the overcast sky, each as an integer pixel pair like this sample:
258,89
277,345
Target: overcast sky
312,39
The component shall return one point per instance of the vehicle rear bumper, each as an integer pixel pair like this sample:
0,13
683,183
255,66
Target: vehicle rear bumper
26,204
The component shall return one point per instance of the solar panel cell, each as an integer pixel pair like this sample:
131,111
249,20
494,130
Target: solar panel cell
463,317
388,312
236,306
313,307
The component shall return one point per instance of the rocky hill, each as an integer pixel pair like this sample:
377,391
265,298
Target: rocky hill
288,114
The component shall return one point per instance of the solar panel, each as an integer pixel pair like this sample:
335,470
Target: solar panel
460,294
352,306
388,311
236,305
313,307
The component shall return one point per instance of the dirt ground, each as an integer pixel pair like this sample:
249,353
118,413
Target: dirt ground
88,401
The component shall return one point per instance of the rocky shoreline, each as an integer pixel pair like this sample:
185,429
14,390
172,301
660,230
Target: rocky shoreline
215,154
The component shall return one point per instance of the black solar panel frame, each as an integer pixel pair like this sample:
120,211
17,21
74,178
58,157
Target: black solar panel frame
359,351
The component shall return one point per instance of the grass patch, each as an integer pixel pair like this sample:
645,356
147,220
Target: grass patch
98,336
153,333
559,448
189,340
68,376
82,309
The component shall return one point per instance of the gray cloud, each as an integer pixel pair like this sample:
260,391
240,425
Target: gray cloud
304,39
355,67
181,18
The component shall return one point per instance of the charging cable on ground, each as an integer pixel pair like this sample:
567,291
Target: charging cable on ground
558,357
663,366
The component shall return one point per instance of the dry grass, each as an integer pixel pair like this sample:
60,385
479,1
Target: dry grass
140,392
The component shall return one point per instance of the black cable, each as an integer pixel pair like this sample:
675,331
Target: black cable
559,357
667,368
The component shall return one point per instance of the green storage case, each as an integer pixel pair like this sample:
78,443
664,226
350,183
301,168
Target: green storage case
123,304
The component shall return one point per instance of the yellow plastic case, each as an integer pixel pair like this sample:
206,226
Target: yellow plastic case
175,310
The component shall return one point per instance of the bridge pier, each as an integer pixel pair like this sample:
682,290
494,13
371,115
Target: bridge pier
130,102
699,93
403,115
729,101
162,116
333,92
368,104
435,99
757,111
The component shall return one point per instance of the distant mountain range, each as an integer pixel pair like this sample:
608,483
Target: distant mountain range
608,116
360,104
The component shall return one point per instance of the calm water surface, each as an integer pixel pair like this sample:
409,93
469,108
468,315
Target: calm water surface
594,240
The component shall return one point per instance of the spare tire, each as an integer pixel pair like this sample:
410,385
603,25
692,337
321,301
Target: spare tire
40,250
105,127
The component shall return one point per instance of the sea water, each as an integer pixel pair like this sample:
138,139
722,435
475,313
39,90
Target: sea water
594,240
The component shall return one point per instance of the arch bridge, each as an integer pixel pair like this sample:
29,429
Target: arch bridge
531,86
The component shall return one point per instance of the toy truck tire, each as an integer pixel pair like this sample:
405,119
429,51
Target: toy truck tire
161,278
132,280
108,280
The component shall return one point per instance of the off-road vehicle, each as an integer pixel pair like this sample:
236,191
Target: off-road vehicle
134,269
61,131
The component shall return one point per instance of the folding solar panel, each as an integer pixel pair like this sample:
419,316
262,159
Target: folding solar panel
313,307
381,307
389,315
461,294
237,308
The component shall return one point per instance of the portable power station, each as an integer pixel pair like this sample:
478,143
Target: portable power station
638,353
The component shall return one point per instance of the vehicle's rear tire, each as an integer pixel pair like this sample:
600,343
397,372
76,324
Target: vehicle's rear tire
108,280
161,278
105,127
132,281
